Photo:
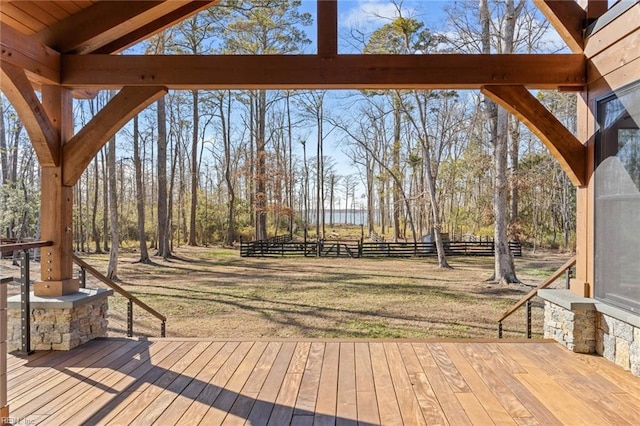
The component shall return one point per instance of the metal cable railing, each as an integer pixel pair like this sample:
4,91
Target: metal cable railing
85,267
526,300
25,279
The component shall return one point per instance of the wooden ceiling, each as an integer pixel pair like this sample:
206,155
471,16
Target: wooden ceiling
90,26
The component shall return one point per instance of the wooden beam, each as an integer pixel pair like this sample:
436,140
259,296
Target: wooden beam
102,23
563,145
569,20
44,137
155,26
594,8
451,71
327,27
81,149
42,62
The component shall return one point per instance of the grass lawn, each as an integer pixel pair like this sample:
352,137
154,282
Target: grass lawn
212,292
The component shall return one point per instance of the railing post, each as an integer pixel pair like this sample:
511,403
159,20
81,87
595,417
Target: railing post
25,306
528,319
83,277
130,318
163,329
567,278
500,330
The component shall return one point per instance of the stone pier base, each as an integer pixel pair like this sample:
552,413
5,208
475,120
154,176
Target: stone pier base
61,323
588,326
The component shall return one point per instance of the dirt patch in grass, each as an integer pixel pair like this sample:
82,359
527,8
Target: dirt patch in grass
212,292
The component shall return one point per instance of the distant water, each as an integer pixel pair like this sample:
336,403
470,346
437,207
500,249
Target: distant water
340,217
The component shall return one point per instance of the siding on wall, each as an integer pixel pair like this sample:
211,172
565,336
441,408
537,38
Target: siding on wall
613,61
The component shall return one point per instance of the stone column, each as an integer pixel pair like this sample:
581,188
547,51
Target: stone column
61,323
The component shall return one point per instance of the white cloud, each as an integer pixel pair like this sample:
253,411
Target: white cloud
367,15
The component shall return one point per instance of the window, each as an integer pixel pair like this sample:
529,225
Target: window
617,199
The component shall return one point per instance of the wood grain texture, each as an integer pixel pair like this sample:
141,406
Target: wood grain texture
431,71
568,18
79,151
358,382
561,143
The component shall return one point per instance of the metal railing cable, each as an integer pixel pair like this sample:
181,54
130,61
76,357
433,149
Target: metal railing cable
85,267
526,300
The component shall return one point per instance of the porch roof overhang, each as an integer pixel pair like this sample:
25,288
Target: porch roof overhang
74,45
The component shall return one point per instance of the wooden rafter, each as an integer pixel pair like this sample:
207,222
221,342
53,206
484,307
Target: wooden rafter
452,71
42,62
44,137
594,8
568,18
327,28
104,22
80,150
563,145
154,27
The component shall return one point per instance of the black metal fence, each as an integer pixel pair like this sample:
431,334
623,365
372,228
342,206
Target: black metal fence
358,248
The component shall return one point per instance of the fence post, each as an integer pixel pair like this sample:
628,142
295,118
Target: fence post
500,330
25,308
163,329
305,241
130,318
528,319
83,277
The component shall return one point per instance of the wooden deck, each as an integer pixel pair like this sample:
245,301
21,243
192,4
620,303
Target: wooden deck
279,382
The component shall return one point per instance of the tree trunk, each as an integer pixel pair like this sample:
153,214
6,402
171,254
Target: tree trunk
163,239
395,155
504,267
225,121
261,168
142,235
94,212
105,201
112,269
194,170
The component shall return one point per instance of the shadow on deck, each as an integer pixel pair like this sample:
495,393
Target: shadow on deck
305,382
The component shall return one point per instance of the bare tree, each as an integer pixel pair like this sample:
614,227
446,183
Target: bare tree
142,235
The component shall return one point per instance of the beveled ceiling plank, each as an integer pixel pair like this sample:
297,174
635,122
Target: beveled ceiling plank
80,150
34,9
327,27
563,145
17,88
155,26
53,9
102,23
568,18
14,23
453,71
24,52
28,20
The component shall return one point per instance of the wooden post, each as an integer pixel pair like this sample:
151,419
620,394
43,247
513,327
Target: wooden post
327,28
56,274
584,205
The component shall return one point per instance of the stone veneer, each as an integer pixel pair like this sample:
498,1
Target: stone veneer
61,323
589,326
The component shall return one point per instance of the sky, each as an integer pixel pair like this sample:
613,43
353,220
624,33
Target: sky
368,15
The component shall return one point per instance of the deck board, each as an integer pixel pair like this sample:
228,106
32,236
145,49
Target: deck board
335,382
